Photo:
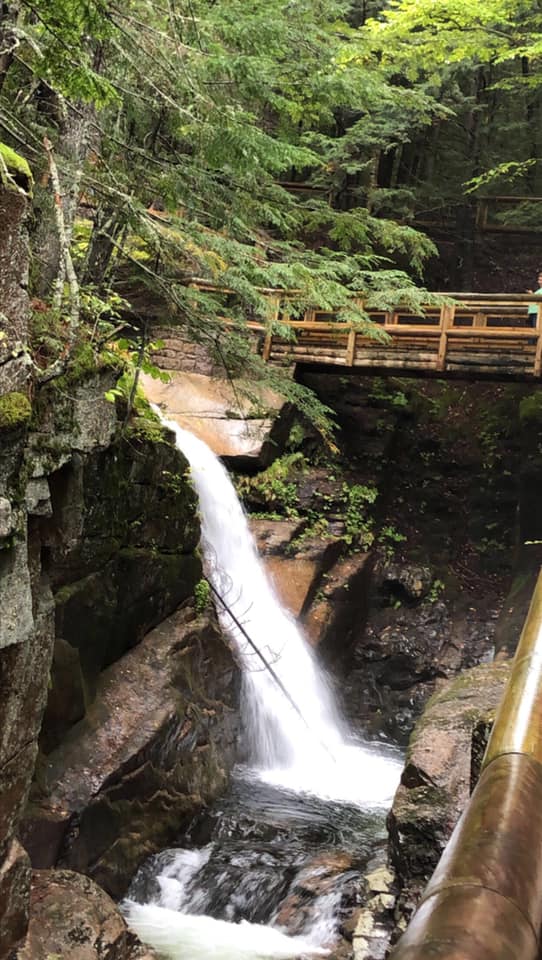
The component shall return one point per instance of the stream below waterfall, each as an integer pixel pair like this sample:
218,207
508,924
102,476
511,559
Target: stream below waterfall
274,867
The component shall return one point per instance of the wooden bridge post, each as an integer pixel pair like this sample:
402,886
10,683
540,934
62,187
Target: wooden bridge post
447,315
266,351
274,303
351,348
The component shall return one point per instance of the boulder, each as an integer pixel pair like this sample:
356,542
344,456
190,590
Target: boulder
71,917
372,924
407,580
294,562
155,746
24,669
14,897
339,610
273,537
119,550
442,766
222,415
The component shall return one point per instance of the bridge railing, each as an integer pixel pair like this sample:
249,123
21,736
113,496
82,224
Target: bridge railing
484,901
488,334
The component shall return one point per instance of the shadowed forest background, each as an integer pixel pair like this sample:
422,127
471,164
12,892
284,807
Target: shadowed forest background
329,148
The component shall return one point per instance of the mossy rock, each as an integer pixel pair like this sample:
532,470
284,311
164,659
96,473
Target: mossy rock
19,174
15,411
530,408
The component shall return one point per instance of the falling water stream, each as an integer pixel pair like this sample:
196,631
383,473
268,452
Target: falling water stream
308,783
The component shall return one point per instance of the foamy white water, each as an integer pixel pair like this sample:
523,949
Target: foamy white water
181,936
305,749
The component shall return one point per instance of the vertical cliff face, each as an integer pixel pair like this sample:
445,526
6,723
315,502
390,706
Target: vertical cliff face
98,546
23,657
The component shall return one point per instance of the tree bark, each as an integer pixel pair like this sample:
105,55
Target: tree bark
9,13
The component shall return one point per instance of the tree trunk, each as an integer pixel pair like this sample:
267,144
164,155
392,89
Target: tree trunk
9,13
74,124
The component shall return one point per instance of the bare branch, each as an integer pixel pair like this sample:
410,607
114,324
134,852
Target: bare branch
66,268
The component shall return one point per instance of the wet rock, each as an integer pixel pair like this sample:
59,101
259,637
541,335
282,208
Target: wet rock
221,415
157,744
318,876
71,917
339,610
442,764
295,563
407,580
406,652
295,581
14,897
274,536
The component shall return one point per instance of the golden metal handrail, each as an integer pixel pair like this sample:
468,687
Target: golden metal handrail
484,901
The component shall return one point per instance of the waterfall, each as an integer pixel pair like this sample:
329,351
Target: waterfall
307,777
304,747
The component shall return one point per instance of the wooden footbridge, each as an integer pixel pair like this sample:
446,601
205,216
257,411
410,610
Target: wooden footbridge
489,336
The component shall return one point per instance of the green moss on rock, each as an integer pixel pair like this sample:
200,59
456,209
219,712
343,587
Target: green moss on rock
19,172
147,428
530,407
15,411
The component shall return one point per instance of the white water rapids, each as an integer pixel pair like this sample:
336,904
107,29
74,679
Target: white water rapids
305,749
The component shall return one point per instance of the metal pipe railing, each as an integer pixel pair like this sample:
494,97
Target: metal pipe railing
484,901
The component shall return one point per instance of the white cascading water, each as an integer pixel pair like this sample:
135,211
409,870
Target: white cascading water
302,747
182,936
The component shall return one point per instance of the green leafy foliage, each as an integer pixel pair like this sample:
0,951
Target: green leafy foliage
358,520
202,596
183,130
275,489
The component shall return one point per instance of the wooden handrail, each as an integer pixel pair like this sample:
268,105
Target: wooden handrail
459,296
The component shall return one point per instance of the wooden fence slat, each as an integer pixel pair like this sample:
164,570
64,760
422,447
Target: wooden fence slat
446,320
351,348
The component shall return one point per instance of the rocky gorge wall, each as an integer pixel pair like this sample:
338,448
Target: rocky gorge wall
118,702
100,548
